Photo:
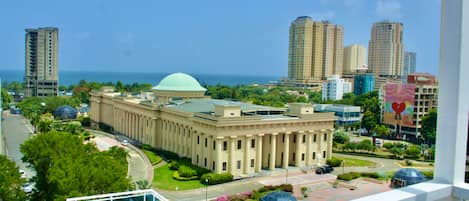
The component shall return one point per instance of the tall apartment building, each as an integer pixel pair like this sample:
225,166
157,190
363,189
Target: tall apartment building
354,58
335,87
386,49
410,62
315,51
41,62
363,83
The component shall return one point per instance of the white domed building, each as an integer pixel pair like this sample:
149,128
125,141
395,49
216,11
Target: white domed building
220,135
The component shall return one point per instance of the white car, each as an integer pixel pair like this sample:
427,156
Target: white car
23,174
125,142
27,187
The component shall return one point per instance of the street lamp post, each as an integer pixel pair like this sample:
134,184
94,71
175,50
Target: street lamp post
206,189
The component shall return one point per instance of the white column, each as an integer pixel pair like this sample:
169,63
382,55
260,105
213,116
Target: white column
218,147
299,143
309,141
286,150
273,150
232,161
247,149
453,98
259,153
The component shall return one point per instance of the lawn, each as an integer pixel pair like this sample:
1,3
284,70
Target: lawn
353,162
154,159
163,179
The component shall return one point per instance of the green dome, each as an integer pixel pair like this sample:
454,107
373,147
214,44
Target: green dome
179,82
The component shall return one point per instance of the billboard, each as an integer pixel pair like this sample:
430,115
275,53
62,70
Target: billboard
399,102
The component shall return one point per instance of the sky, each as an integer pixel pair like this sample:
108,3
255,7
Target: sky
242,37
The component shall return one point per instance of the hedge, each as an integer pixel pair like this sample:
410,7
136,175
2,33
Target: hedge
334,162
214,178
185,171
173,165
178,177
354,175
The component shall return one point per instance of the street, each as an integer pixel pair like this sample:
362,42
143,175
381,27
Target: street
16,130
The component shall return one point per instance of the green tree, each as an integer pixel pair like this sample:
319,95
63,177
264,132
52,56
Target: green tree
429,126
10,181
398,152
412,151
66,167
368,121
382,130
341,137
6,98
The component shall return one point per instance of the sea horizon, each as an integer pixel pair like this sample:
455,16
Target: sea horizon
73,77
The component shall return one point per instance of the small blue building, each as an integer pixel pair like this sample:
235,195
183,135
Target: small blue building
363,83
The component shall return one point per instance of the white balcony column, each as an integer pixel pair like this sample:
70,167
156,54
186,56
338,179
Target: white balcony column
453,97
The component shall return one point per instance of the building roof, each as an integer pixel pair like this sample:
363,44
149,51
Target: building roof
409,175
65,112
179,82
208,105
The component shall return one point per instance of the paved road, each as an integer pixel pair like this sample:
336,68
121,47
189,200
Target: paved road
16,130
384,165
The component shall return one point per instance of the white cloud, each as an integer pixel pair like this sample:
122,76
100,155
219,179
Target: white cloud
389,9
324,15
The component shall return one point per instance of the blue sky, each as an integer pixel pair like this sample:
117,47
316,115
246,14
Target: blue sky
240,37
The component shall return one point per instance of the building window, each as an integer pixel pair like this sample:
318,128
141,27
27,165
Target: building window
238,164
324,154
206,142
197,161
224,166
198,139
293,156
205,162
252,162
294,138
213,165
283,138
225,145
253,143
304,138
302,157
314,155
314,138
325,136
239,144
214,144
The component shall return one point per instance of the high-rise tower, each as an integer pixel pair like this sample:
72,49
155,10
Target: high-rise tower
386,49
41,62
315,50
410,61
354,58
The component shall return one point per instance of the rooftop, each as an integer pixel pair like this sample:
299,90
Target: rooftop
179,82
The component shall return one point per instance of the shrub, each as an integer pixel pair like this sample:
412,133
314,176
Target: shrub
428,174
286,187
334,162
185,171
408,162
214,178
388,145
373,175
341,137
173,165
178,177
154,159
348,176
147,147
168,155
413,151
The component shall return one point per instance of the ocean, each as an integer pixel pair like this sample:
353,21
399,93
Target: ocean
73,77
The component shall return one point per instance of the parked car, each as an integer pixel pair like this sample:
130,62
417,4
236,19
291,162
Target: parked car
22,173
324,169
27,187
125,142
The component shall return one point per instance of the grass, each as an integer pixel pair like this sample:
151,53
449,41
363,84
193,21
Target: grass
353,162
163,179
414,164
154,159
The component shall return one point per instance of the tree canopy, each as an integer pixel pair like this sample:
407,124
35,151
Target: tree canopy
429,126
6,98
10,181
66,167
